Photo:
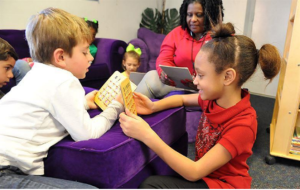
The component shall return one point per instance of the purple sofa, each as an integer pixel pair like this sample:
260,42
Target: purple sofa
107,60
115,160
150,43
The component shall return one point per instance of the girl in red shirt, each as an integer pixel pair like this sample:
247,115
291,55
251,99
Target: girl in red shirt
228,126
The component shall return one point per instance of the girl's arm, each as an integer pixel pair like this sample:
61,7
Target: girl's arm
137,128
146,106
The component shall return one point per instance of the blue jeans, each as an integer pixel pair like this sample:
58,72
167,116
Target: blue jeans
20,70
13,178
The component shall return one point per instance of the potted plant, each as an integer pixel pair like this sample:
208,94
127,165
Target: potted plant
160,22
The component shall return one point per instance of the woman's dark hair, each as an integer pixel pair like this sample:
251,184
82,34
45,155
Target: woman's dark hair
239,52
6,51
92,23
211,9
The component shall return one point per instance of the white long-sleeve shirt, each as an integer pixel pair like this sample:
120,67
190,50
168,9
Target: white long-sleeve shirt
47,105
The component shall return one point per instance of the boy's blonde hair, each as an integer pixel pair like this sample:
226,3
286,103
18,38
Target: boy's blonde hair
54,28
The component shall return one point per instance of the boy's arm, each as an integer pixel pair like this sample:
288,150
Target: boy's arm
104,121
68,108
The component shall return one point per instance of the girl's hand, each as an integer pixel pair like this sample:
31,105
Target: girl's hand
90,99
144,105
164,79
189,84
134,126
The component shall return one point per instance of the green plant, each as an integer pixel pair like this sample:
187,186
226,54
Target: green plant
158,22
151,20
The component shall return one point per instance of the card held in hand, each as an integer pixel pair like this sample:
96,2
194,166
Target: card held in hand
110,89
127,96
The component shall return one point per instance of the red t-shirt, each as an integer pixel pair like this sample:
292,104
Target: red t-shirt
235,129
179,49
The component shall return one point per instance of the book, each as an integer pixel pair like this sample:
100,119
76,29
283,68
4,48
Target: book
110,89
127,96
178,74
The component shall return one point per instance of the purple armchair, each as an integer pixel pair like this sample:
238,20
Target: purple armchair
107,60
150,43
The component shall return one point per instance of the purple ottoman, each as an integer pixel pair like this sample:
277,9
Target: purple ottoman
193,115
115,160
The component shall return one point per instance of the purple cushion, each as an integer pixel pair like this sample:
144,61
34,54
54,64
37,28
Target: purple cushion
96,76
193,115
115,160
110,51
16,38
153,41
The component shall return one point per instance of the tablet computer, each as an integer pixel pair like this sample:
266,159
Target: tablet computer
177,74
136,77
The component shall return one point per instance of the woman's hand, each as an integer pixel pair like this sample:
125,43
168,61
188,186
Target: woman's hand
90,99
134,126
189,84
164,79
144,105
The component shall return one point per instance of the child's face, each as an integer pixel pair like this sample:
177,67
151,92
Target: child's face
208,82
80,61
93,31
6,70
131,64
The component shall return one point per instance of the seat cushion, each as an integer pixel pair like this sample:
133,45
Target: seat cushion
16,38
193,115
96,76
114,159
153,41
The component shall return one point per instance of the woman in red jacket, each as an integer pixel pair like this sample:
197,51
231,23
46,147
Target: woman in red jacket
182,44
228,126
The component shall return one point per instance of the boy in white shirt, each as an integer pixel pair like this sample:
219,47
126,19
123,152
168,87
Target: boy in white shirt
49,103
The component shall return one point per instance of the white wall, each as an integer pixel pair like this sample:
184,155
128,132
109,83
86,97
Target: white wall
269,26
118,19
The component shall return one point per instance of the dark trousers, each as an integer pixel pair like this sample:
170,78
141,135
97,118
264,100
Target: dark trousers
170,182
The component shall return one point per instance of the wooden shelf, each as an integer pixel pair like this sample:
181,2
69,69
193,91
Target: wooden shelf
286,113
292,18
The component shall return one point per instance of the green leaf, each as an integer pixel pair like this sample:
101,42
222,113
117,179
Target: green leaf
151,19
172,20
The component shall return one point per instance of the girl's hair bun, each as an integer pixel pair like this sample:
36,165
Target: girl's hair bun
223,30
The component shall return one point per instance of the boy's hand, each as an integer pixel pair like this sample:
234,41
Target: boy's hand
134,126
164,79
144,105
90,99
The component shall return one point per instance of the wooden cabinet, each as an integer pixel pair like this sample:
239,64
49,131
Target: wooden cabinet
286,113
